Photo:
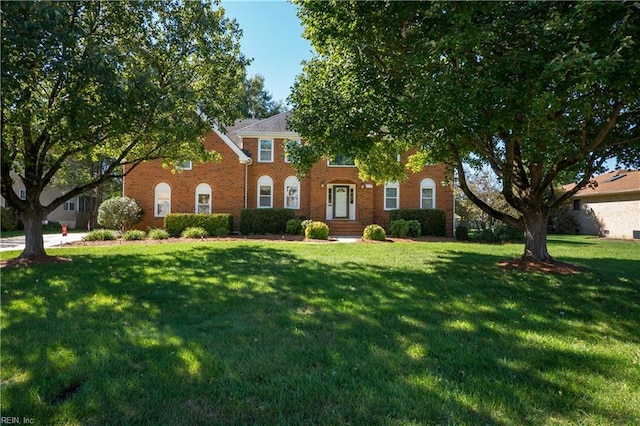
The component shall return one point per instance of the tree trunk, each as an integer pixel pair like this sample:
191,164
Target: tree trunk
535,237
34,245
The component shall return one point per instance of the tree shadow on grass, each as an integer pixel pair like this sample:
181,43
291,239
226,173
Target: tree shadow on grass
237,334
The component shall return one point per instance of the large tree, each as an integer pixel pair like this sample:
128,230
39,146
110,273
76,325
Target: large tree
257,102
122,81
537,91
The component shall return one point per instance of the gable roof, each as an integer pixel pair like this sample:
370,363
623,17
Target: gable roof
273,126
615,182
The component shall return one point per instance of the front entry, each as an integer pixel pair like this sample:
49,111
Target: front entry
341,202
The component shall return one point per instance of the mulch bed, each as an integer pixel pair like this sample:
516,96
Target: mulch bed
558,268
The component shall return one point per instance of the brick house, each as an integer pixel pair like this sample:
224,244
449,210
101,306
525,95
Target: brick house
610,207
254,173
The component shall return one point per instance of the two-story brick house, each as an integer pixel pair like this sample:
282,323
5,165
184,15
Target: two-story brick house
254,173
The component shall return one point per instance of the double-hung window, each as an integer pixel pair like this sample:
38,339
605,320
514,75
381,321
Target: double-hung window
69,205
162,199
203,199
391,196
292,193
265,192
265,150
427,194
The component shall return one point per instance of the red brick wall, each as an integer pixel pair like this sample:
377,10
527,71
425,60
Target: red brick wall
227,179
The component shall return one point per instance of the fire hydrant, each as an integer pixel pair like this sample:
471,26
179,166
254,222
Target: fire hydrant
65,229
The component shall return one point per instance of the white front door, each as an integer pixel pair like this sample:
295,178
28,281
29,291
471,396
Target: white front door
341,202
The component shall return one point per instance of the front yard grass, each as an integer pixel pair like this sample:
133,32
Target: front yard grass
293,333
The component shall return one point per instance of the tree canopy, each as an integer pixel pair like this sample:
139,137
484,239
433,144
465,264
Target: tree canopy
257,102
119,82
540,92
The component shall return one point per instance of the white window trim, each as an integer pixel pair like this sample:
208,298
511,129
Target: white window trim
155,199
428,183
204,189
265,181
395,185
289,182
71,202
260,160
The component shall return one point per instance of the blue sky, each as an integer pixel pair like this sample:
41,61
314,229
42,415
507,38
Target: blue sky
272,36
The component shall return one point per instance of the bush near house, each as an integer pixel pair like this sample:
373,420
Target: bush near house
433,222
374,232
316,231
119,213
134,234
264,221
402,228
294,227
100,235
158,234
195,232
217,224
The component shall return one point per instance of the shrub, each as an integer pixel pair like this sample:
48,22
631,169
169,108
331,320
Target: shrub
317,231
264,221
119,213
217,224
399,228
374,232
415,229
195,232
8,219
306,223
100,235
462,233
134,234
294,227
158,234
432,221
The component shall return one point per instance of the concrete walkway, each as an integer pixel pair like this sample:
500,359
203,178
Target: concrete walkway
50,240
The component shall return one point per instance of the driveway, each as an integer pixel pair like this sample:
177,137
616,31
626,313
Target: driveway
50,240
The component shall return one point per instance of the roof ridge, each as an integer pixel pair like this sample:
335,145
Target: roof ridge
261,121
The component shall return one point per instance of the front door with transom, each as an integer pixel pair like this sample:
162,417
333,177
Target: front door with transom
341,202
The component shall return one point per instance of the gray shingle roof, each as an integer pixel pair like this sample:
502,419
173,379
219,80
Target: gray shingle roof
274,124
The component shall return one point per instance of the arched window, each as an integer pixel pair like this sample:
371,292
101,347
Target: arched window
427,194
391,195
292,193
203,199
162,199
265,192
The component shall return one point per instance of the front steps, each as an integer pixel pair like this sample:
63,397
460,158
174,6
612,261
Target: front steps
345,228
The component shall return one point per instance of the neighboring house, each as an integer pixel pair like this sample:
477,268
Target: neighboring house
610,207
73,213
254,173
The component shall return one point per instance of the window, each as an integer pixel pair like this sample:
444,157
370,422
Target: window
297,142
292,193
577,205
265,154
203,199
22,194
427,194
342,161
70,205
391,196
162,200
84,204
184,165
265,192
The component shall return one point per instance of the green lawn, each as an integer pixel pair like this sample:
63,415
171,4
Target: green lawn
294,333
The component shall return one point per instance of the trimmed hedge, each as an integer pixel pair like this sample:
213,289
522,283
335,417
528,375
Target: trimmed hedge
402,228
433,222
195,232
316,231
216,224
374,232
294,227
265,221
